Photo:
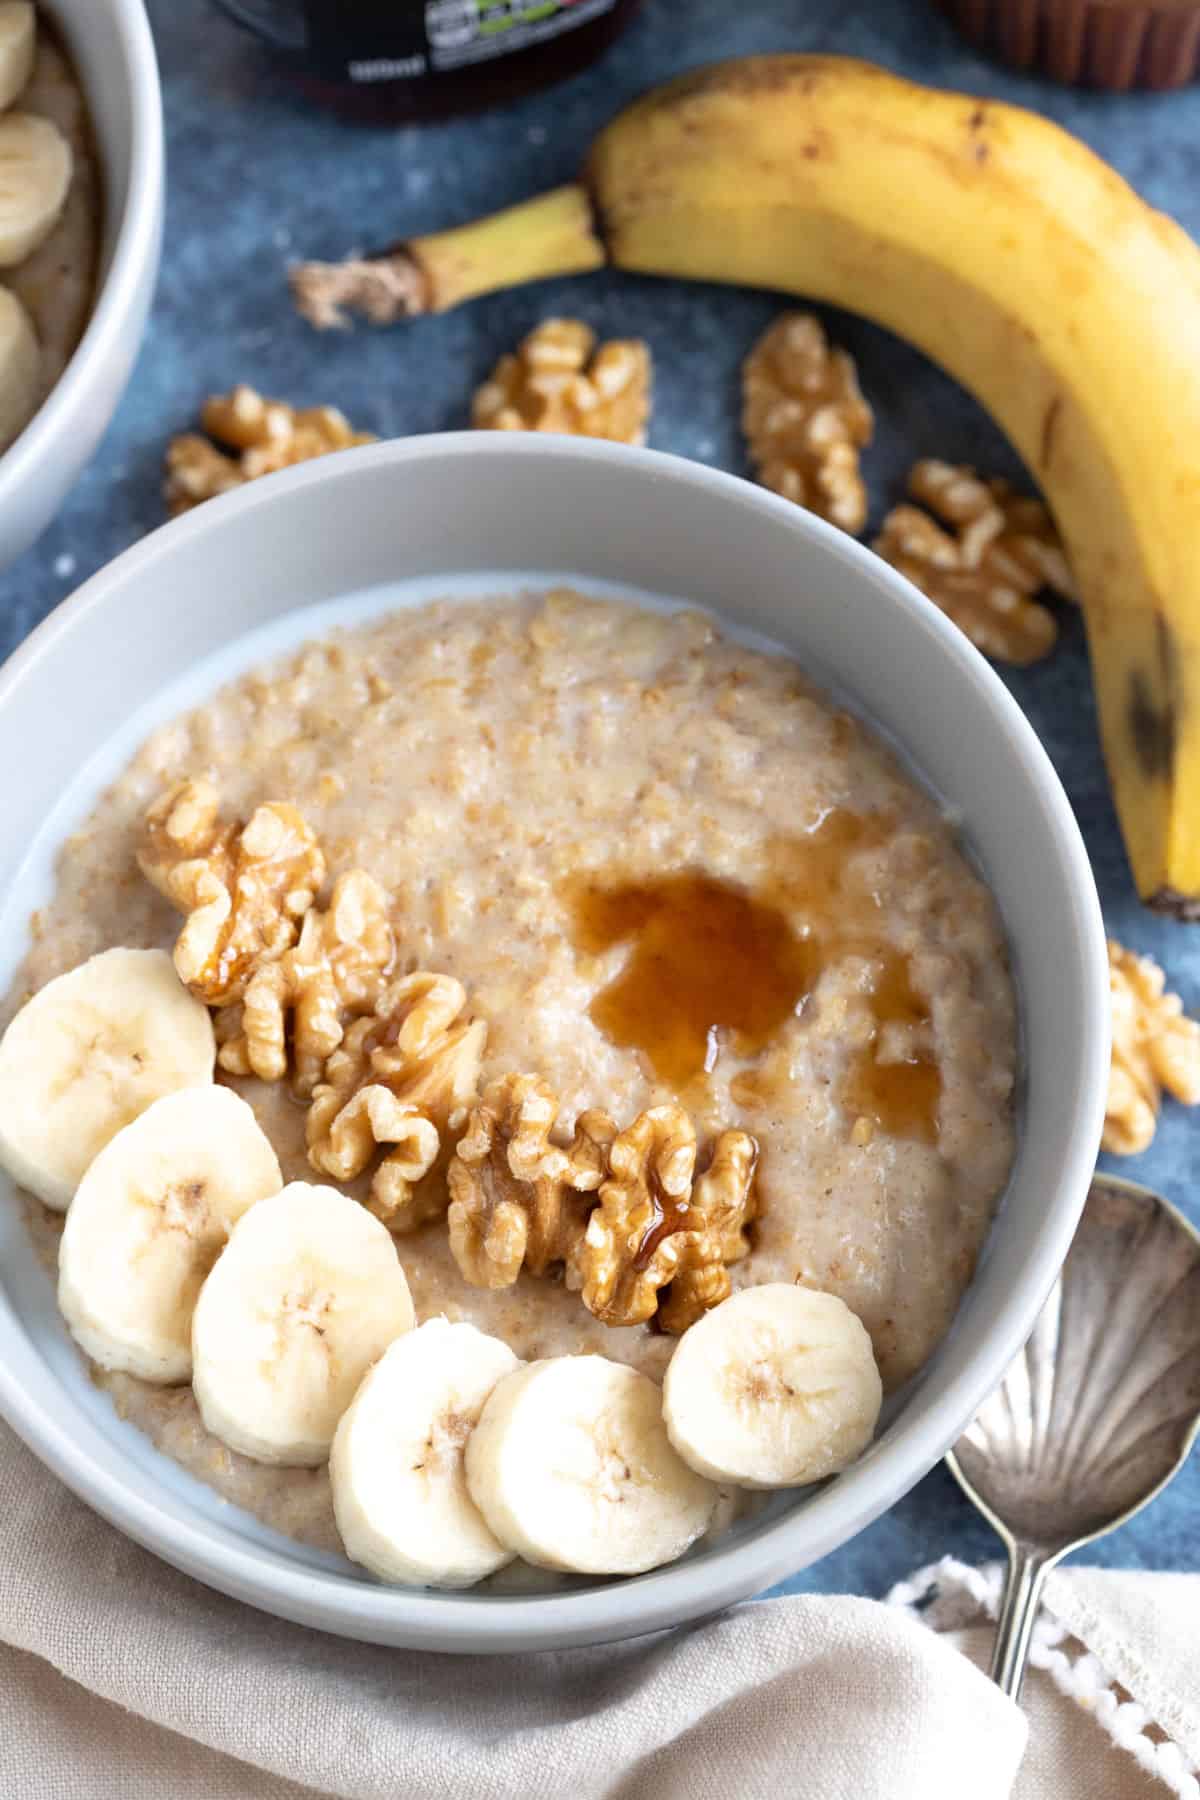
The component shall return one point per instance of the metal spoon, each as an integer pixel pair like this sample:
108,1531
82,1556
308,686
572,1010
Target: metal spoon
1100,1409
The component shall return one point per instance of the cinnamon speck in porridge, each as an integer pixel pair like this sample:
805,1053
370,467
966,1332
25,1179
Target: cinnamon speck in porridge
664,868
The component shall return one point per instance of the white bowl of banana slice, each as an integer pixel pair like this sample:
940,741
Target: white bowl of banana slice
80,229
486,1497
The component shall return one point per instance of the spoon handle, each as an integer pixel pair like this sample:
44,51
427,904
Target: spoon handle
1027,1570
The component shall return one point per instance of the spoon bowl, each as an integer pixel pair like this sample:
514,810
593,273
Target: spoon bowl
1101,1407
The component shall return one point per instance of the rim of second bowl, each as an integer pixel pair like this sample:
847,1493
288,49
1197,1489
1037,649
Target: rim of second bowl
419,1618
134,246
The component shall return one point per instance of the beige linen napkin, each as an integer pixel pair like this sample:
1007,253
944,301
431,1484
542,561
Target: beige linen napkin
123,1680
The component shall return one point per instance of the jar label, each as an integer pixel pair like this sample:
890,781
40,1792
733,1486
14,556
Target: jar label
404,40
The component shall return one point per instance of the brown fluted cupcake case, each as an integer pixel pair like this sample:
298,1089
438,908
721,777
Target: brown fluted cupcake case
1114,44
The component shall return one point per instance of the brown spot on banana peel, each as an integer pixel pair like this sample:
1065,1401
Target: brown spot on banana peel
976,125
1153,733
1151,729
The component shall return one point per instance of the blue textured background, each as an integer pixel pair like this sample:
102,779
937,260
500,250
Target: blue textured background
255,178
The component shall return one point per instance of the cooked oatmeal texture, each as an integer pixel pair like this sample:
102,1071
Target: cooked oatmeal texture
488,762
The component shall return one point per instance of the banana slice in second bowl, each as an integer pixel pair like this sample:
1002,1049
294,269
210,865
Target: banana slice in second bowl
35,173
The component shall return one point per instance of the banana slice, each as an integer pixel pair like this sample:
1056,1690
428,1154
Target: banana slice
20,369
399,1490
18,41
774,1388
35,173
305,1296
571,1467
147,1223
86,1055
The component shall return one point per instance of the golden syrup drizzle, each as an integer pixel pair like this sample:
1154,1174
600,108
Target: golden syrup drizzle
708,960
712,963
670,1215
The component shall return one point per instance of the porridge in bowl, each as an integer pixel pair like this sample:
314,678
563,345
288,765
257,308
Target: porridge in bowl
612,968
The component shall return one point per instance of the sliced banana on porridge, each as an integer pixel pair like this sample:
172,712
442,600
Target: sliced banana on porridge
86,1055
775,1387
35,174
306,1295
399,1485
571,1467
18,43
147,1223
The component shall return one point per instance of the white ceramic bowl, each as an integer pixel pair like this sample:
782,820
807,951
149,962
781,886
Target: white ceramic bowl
85,688
113,53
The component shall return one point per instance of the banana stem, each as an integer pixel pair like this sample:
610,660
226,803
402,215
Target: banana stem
553,234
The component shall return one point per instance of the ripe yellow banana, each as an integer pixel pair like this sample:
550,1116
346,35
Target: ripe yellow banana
1002,247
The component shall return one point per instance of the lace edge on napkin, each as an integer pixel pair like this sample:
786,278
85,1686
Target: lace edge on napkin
949,1596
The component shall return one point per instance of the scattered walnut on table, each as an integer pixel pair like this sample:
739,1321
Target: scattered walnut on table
559,381
1154,1048
805,420
244,888
1000,550
336,971
400,1078
516,1199
265,435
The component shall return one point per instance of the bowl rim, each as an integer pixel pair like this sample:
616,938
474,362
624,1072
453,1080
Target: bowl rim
134,248
419,1618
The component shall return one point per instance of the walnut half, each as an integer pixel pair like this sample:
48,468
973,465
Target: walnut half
244,888
516,1199
266,435
415,1057
983,565
632,1245
559,381
721,1207
805,420
336,971
1154,1048
653,1229
519,1200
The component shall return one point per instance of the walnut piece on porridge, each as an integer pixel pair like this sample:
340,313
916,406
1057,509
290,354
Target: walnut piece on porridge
721,1207
653,1228
516,1199
414,1059
805,420
520,1200
265,435
632,1245
559,381
244,888
336,971
983,565
1155,1048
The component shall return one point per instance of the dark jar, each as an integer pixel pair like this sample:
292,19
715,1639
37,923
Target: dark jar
401,60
